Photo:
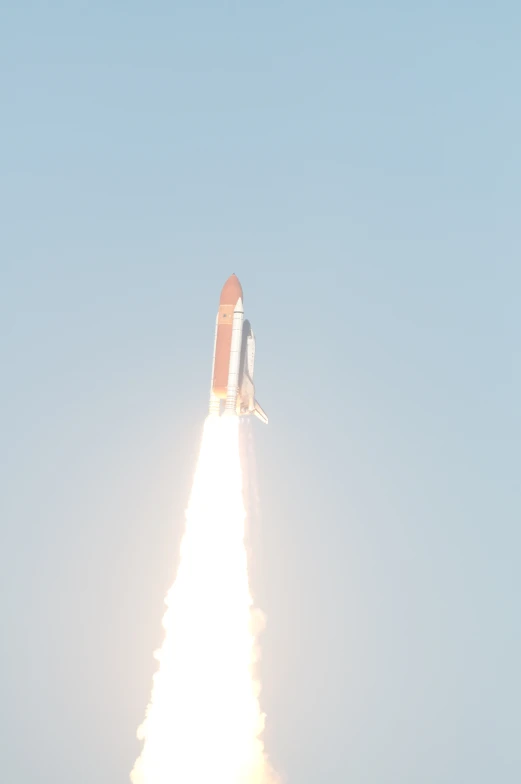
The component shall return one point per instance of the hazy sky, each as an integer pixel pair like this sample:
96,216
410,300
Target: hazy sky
358,165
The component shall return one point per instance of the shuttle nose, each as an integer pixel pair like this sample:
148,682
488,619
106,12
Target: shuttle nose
231,291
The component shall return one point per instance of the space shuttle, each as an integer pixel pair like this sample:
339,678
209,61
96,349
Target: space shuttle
232,390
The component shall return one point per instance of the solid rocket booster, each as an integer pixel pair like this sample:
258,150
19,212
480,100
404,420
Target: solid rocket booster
233,357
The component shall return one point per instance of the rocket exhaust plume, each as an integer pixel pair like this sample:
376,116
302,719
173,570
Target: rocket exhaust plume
203,724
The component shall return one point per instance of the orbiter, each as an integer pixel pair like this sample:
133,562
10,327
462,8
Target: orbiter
233,357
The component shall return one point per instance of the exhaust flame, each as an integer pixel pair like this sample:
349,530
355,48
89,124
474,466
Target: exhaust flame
204,723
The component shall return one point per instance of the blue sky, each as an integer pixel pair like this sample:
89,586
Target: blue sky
358,165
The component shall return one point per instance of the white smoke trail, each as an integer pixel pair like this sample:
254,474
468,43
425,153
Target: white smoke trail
204,724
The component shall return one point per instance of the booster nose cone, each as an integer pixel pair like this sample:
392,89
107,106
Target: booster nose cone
231,291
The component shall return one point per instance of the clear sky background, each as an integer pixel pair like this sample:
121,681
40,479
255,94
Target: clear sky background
358,165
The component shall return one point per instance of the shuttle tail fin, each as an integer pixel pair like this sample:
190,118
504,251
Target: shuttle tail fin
260,414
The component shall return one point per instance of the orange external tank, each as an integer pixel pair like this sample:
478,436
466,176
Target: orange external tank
230,295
